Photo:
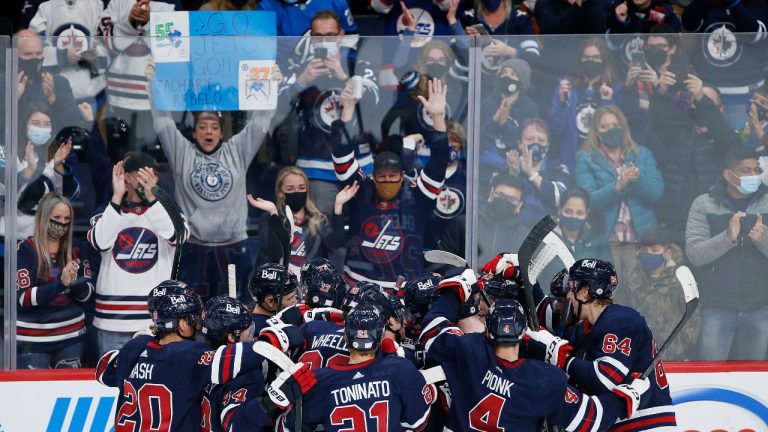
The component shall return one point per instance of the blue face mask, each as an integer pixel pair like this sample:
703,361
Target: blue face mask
649,261
491,5
455,155
749,184
38,136
572,224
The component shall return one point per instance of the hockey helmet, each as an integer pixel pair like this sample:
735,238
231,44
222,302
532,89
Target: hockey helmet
419,292
172,307
268,279
505,322
388,303
225,315
559,285
364,328
598,275
354,296
169,286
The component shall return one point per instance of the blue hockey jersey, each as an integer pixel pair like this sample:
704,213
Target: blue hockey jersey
236,405
493,394
429,14
162,385
388,236
295,19
49,314
324,344
387,394
618,344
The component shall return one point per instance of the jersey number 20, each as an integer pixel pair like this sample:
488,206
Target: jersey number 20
150,419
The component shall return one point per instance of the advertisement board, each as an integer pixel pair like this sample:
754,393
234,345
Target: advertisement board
709,397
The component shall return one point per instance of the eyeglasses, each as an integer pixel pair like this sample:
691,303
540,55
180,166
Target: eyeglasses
512,200
598,58
431,60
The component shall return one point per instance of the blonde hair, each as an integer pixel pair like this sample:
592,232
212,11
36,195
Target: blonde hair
40,235
315,216
592,143
225,5
456,132
422,88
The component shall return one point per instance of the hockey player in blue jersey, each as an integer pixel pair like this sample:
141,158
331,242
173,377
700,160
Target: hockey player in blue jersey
269,292
552,311
169,372
387,219
612,342
368,393
498,390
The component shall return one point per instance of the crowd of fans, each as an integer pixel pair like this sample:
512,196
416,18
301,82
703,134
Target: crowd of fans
646,143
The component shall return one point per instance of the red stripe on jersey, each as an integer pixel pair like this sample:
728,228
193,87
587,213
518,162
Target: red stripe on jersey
27,297
350,366
102,365
228,418
343,168
50,332
128,307
227,362
425,181
118,84
611,373
646,423
589,418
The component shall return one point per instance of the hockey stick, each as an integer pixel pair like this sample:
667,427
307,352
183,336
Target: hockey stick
178,225
433,375
437,256
232,280
524,255
691,293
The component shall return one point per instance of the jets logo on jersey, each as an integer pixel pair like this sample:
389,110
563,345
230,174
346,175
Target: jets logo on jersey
72,36
721,47
135,250
635,44
425,26
382,239
327,109
211,181
584,114
449,203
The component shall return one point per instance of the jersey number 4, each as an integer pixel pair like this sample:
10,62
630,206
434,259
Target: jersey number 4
154,402
354,417
485,415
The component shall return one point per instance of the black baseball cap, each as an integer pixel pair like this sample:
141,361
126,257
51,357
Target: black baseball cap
138,160
387,159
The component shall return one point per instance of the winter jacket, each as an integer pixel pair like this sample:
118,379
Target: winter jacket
595,174
730,274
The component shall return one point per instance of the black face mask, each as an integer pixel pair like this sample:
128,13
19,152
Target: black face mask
296,200
32,67
508,86
502,209
655,57
436,70
238,3
591,68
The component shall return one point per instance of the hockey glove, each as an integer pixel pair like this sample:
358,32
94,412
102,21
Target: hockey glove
293,315
504,265
291,385
632,392
284,337
463,283
390,347
324,314
558,349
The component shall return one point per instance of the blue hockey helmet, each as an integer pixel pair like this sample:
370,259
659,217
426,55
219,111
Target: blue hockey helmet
268,279
169,286
364,328
598,275
321,284
419,292
505,322
354,295
173,307
225,315
388,303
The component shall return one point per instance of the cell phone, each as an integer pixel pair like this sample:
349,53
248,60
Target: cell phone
681,72
747,223
637,59
321,53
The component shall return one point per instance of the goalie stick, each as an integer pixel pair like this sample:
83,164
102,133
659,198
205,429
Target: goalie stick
178,226
691,293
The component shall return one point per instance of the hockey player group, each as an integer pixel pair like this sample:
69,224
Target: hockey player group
378,359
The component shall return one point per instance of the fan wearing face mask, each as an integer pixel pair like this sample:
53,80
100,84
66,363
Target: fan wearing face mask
726,236
54,279
544,181
310,240
44,166
388,216
592,84
753,133
623,184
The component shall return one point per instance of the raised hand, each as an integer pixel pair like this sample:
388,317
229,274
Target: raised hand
62,153
344,196
86,111
757,233
147,180
262,204
48,88
435,105
118,183
31,158
410,20
139,13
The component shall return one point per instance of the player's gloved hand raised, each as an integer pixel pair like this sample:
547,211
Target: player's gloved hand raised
285,337
390,347
558,349
504,265
463,283
293,315
324,314
291,384
632,392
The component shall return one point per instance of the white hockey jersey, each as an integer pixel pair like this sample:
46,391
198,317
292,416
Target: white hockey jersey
74,27
126,84
137,244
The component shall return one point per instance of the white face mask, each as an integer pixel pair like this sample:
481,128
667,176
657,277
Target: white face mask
329,46
38,136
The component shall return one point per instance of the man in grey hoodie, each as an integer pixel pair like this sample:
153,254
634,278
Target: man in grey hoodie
209,176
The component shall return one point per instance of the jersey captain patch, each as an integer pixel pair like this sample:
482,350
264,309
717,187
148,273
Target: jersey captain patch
382,239
135,250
